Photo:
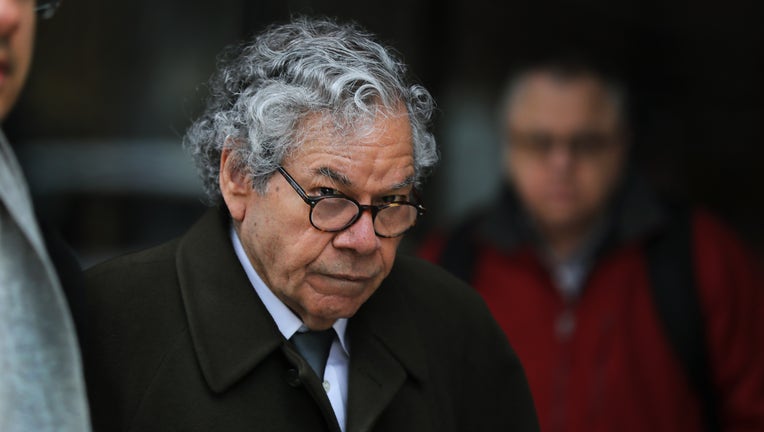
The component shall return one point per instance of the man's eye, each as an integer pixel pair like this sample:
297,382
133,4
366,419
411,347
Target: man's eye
324,191
540,142
394,198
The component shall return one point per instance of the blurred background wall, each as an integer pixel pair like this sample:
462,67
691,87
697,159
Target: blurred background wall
115,84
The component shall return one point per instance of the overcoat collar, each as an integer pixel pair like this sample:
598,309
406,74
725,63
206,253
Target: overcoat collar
232,331
386,350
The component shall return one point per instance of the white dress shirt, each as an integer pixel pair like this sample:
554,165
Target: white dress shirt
336,373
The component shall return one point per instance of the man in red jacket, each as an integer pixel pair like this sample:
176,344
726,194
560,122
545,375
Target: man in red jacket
564,261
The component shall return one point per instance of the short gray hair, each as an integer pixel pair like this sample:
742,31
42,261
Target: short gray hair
565,70
265,89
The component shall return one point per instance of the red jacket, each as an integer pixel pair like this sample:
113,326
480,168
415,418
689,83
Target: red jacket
602,362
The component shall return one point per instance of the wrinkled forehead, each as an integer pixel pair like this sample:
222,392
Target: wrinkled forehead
375,157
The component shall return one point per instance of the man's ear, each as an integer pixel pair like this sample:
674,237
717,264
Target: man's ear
234,186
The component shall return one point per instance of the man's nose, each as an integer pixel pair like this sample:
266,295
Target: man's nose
10,15
561,154
359,237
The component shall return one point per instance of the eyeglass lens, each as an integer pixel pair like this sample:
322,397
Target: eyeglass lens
335,214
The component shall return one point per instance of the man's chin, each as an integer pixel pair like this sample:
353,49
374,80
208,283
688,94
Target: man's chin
334,307
322,319
563,219
341,286
331,298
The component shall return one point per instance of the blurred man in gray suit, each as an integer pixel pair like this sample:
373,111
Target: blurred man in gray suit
41,386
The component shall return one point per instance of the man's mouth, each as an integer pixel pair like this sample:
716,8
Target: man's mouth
343,281
350,278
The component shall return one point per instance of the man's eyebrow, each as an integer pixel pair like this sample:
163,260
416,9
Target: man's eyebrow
410,180
344,181
334,175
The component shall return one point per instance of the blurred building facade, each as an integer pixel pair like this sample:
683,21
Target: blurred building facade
116,83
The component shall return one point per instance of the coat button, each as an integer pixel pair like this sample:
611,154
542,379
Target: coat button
293,378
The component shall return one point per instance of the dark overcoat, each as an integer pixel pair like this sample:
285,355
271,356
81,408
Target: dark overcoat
178,340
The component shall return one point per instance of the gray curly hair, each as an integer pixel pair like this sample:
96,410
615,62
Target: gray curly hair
265,89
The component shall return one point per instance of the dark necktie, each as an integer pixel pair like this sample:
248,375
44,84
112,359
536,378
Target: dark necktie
314,347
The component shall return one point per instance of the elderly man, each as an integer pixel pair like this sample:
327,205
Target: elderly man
286,308
41,386
629,314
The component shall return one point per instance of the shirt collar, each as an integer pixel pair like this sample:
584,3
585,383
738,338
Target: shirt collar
286,320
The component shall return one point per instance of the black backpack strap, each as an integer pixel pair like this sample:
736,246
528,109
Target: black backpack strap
672,276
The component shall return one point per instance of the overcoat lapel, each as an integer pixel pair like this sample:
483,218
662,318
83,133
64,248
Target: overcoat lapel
385,352
231,330
230,327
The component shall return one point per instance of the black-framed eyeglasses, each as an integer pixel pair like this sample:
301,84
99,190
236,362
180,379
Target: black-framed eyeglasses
332,213
46,8
583,145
